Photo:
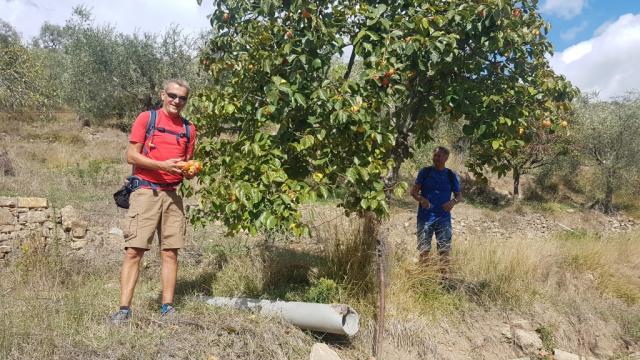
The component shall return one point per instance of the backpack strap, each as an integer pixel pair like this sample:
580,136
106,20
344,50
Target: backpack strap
187,134
151,126
452,179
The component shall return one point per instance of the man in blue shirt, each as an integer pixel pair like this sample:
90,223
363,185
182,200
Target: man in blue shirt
432,190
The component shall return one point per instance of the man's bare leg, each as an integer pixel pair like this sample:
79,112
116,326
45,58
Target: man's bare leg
129,274
168,274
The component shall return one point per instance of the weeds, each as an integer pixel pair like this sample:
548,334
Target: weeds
546,335
603,259
503,273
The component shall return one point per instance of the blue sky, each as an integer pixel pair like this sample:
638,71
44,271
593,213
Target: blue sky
597,42
571,25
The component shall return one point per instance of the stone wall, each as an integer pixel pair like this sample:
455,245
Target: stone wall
25,219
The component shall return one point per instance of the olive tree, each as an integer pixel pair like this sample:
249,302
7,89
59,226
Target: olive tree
22,82
114,75
606,136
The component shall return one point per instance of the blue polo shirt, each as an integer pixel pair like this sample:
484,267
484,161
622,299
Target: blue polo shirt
436,187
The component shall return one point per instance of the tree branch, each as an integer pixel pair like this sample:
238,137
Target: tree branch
352,59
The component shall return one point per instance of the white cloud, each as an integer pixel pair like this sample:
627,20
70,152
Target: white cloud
127,16
607,63
602,28
573,32
565,9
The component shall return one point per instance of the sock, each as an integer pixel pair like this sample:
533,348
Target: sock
127,308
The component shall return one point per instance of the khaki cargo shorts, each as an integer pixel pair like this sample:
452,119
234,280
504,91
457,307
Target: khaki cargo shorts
154,210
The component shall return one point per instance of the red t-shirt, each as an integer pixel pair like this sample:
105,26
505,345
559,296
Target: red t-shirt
162,146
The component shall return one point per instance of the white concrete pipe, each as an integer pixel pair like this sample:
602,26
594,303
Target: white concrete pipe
329,318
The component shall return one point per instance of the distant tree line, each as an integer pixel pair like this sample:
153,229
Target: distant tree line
92,69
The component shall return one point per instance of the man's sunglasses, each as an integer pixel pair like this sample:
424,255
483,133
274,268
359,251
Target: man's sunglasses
173,96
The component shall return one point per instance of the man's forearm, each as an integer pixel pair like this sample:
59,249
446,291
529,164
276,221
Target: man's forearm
139,160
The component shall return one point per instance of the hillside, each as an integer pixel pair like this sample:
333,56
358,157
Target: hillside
528,277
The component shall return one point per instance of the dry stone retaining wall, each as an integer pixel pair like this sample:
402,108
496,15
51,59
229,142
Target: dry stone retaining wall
25,219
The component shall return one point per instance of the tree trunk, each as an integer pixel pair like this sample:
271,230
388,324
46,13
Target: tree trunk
378,233
607,202
516,183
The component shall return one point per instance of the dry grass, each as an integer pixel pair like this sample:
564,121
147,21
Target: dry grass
579,288
66,163
610,261
57,308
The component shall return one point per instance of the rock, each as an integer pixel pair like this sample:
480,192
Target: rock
22,217
505,330
6,217
521,324
32,203
7,228
77,245
563,355
5,249
67,216
60,234
78,229
36,217
8,201
321,351
116,231
528,341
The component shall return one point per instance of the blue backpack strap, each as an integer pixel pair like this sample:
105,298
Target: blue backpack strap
452,180
187,134
151,126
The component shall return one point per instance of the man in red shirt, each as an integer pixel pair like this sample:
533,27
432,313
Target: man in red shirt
157,159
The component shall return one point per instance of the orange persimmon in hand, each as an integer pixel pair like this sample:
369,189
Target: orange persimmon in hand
191,168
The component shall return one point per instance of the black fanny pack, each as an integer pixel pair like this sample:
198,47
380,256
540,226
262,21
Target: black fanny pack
133,183
122,196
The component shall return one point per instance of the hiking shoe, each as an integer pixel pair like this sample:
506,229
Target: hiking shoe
121,317
167,311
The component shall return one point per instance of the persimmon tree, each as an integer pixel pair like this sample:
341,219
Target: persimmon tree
278,128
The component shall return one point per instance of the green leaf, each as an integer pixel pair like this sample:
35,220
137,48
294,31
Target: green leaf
271,222
229,108
300,99
324,192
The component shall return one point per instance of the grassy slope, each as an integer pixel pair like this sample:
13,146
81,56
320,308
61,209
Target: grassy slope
580,289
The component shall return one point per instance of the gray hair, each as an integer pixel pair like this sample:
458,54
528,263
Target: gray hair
441,148
179,82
